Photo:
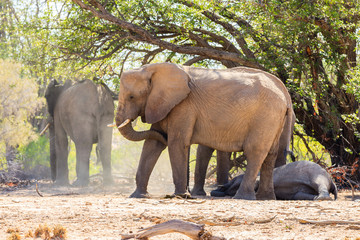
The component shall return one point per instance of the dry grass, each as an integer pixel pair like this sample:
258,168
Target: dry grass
11,230
59,232
42,232
14,236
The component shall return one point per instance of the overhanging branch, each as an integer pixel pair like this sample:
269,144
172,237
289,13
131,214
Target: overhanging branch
144,36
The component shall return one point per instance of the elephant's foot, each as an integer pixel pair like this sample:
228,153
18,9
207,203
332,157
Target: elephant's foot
265,196
183,195
81,183
140,194
198,191
323,197
245,196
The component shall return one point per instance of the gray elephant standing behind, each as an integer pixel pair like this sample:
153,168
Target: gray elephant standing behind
82,112
302,180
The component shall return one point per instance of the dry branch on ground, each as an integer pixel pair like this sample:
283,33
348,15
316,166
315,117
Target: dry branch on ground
192,230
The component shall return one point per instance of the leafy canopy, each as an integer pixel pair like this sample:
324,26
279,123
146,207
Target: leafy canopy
18,102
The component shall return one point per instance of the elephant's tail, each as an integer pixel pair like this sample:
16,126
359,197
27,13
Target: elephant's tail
333,190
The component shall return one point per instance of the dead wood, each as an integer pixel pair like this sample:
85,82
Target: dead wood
352,190
231,221
327,222
267,220
37,189
192,230
195,202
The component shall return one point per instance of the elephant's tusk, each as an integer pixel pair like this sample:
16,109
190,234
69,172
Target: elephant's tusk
121,125
45,128
124,123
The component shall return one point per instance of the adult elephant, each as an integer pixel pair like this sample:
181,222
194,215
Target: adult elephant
239,109
204,154
82,112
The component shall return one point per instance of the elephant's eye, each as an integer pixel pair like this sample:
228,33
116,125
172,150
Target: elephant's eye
131,97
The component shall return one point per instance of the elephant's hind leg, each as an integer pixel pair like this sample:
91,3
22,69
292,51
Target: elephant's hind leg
222,167
259,156
322,189
266,186
104,146
203,155
255,158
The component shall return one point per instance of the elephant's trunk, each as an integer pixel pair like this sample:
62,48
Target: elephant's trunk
129,133
52,151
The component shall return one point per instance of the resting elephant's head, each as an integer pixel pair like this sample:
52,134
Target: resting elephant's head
150,92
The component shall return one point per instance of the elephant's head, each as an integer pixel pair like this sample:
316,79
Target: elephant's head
53,91
150,92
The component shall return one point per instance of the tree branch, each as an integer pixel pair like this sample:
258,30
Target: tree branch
142,35
228,27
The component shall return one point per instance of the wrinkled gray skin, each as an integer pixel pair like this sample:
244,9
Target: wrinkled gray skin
82,112
204,154
302,180
238,109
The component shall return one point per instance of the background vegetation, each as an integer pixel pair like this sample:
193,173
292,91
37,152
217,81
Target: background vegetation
311,45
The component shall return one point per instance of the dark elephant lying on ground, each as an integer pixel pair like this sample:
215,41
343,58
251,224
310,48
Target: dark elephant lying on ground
302,180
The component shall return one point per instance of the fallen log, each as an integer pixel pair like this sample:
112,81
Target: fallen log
327,222
192,230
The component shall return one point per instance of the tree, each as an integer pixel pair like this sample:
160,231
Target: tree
310,45
18,102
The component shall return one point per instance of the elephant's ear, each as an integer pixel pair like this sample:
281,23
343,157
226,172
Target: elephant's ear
169,86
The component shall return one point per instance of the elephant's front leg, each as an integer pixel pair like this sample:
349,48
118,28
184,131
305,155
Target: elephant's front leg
179,154
61,148
149,156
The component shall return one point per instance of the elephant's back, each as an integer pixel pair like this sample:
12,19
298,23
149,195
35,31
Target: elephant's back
247,82
81,96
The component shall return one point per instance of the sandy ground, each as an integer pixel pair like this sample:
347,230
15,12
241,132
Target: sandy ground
96,212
